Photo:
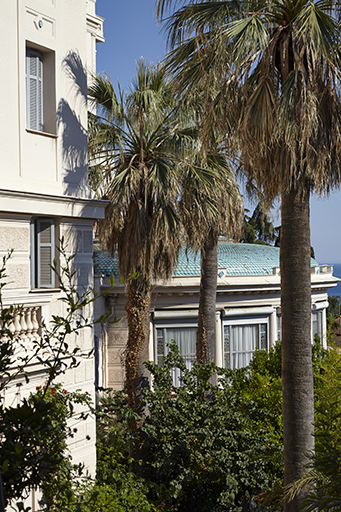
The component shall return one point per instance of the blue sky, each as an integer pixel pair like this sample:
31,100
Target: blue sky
131,31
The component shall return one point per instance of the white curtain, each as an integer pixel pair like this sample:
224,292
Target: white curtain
244,341
316,318
185,338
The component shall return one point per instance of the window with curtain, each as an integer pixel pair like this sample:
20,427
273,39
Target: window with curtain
316,320
185,338
241,341
316,325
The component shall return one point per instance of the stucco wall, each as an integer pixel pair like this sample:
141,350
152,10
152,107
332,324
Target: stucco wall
54,161
43,174
15,234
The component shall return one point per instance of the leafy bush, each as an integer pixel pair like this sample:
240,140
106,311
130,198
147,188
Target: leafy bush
261,382
61,409
203,446
124,493
33,433
125,496
115,456
116,488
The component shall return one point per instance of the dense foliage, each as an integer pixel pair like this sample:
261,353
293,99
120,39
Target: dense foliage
208,444
204,446
219,446
123,493
34,430
116,488
34,442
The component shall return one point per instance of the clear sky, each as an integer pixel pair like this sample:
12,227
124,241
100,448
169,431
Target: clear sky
130,32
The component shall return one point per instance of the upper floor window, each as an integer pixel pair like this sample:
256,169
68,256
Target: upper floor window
34,90
40,89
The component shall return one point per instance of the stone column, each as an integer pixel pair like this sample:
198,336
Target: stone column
151,337
273,328
218,340
324,328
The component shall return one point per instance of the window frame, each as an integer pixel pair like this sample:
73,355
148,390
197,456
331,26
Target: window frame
319,312
38,113
48,125
36,246
319,320
163,324
258,320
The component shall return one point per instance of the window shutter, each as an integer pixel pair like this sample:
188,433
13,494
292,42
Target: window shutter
45,253
34,84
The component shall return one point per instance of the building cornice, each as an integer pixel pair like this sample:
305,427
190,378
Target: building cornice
228,285
49,204
94,25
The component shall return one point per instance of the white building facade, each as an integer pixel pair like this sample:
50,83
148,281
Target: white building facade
248,308
47,48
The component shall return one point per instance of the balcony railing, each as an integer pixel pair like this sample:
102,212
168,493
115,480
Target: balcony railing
26,323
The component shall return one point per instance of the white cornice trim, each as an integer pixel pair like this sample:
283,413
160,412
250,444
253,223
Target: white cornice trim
47,204
94,25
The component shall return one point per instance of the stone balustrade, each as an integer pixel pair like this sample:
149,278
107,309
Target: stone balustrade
26,323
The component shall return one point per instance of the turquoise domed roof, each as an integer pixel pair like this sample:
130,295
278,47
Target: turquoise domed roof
234,259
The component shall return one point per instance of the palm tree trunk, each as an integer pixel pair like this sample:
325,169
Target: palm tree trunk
297,375
207,300
136,374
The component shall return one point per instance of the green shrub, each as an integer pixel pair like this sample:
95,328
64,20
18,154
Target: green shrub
34,432
115,489
208,445
261,382
203,446
124,494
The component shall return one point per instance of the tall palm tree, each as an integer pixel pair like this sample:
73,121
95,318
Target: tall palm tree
210,213
277,63
206,216
142,147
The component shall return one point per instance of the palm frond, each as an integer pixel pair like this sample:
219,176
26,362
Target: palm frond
275,67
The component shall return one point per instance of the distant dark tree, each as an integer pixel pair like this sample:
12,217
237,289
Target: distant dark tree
259,229
333,311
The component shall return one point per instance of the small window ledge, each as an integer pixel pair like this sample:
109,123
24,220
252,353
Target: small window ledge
44,290
45,134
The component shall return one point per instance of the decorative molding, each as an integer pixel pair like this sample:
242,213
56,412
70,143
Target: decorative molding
46,204
40,22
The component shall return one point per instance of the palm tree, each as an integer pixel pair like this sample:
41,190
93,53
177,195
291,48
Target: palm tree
208,213
277,64
143,148
206,216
